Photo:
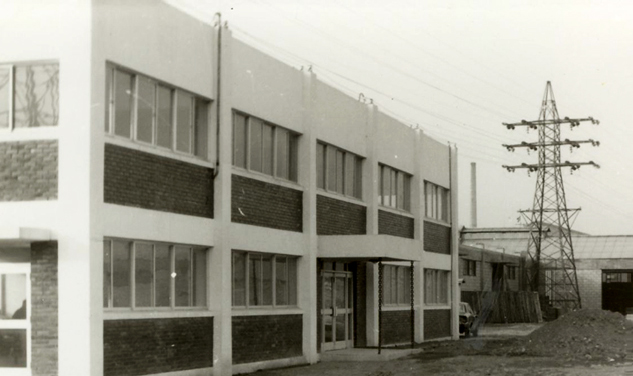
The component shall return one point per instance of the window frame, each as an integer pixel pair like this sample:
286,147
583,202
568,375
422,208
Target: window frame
342,155
173,306
437,291
291,146
470,267
402,182
437,203
292,301
11,67
400,270
198,104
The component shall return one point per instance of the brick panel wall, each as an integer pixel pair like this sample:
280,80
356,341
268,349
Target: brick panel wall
396,327
394,224
28,170
337,217
437,238
437,323
146,346
44,309
139,179
259,338
257,203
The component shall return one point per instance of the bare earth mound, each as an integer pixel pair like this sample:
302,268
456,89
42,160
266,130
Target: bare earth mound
586,334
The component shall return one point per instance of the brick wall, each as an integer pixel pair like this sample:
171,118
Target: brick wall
437,323
394,224
337,217
28,170
437,238
44,309
259,338
139,179
146,346
396,327
257,203
590,288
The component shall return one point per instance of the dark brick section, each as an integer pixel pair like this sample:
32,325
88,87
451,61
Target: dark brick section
144,180
396,327
258,203
147,346
259,338
337,217
394,224
437,238
437,323
319,284
28,170
44,309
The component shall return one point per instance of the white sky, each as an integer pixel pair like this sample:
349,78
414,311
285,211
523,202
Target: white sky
461,68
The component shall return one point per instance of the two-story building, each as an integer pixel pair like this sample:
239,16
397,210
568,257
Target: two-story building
174,201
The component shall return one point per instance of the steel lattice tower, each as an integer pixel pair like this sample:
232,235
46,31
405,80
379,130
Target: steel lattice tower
552,271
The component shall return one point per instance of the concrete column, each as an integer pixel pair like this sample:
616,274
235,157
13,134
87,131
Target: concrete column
418,203
454,244
220,260
371,185
308,263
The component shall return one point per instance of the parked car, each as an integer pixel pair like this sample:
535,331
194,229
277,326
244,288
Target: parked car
466,319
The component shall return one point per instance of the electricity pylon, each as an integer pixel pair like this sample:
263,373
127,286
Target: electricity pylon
552,271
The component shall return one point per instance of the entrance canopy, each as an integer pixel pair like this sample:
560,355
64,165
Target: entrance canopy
368,248
22,236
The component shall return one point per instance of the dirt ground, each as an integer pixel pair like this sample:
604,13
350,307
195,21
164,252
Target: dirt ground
586,342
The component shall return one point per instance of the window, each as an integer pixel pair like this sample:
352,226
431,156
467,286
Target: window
397,285
616,277
263,147
29,95
436,286
140,274
339,171
470,268
264,280
512,272
154,113
395,188
438,202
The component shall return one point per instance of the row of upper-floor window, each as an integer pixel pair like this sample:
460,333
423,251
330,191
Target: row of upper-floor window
152,112
269,149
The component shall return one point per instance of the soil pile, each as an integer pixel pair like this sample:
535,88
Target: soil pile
587,334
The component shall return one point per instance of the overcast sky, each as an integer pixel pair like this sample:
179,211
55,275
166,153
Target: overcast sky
458,69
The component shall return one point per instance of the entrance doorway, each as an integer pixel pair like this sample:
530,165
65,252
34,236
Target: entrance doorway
337,310
15,327
617,291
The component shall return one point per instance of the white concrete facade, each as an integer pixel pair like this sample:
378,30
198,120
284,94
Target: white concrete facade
156,40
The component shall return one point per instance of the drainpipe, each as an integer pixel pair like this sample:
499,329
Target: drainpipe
217,101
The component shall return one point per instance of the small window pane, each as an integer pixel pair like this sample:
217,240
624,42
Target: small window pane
36,100
282,153
184,121
201,135
320,165
292,281
183,276
281,281
401,287
331,168
143,274
407,285
164,117
239,279
293,150
339,171
123,102
358,186
386,280
267,280
254,280
350,174
13,348
400,187
392,191
199,279
386,186
13,296
267,150
256,144
5,96
239,140
407,193
121,273
107,273
163,275
145,110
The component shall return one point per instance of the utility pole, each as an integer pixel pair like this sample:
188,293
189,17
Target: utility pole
552,271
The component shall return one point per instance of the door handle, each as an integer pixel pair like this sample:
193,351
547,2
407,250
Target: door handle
333,311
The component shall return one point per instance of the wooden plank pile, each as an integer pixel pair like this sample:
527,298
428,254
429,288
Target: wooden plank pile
505,306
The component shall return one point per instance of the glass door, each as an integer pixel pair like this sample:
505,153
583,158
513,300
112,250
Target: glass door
336,311
15,323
